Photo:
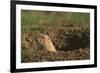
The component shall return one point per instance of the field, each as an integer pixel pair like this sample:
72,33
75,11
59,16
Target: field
68,31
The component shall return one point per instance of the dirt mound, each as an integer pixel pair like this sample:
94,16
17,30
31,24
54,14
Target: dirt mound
70,45
31,55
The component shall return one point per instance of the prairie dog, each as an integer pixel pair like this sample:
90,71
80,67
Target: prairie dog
46,42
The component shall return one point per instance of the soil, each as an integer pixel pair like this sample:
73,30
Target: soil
33,52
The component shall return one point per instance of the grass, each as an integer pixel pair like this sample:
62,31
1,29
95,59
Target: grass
69,32
42,19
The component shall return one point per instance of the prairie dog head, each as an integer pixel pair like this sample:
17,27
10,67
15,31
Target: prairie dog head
43,38
46,42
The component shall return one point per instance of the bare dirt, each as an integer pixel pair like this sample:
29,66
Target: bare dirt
33,52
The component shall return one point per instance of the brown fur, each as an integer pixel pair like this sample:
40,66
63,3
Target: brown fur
46,42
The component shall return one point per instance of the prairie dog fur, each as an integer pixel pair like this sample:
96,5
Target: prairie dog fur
46,42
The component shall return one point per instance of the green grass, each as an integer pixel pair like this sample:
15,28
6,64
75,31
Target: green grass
35,20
